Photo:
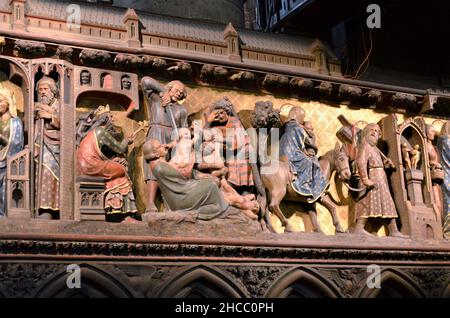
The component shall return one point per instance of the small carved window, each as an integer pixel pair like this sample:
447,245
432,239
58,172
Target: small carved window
14,168
96,199
18,13
84,199
106,81
132,30
22,166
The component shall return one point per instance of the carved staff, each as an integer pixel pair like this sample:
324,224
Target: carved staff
41,156
143,126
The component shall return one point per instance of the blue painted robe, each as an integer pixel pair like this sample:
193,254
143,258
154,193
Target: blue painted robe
444,147
310,181
14,145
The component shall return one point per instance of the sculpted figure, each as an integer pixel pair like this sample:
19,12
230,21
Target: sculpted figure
184,147
11,139
377,201
179,191
301,177
85,122
47,148
433,155
444,147
310,140
415,156
212,162
436,170
406,156
166,116
222,116
309,178
183,193
225,133
99,154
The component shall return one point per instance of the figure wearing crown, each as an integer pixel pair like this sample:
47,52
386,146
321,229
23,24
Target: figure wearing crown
101,153
11,139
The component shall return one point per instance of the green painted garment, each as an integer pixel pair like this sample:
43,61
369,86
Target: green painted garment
183,194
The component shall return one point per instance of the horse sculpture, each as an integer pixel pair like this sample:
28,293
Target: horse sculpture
278,187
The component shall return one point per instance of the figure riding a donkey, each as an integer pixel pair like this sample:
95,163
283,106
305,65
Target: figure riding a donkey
300,175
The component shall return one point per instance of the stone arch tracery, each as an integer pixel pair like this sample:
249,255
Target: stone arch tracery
394,284
201,282
95,283
302,283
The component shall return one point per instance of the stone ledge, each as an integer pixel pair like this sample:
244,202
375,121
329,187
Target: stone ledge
175,237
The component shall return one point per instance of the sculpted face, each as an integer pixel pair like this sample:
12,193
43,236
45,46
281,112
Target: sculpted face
298,114
4,105
177,92
85,78
373,134
185,133
220,116
45,94
126,83
161,150
308,126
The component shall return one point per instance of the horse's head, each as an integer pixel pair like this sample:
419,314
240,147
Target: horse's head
342,162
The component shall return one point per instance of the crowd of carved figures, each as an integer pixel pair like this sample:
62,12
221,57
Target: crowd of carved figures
206,166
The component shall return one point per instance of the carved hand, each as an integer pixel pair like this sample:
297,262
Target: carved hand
121,161
43,107
212,116
43,111
165,99
44,114
388,163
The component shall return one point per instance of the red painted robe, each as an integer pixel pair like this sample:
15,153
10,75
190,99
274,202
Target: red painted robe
91,161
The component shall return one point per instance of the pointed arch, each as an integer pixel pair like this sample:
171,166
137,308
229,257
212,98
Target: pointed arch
446,291
95,283
394,284
203,282
302,282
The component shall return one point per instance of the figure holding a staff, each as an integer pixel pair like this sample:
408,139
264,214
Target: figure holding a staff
47,149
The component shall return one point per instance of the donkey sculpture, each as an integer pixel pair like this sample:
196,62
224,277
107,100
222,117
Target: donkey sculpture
278,187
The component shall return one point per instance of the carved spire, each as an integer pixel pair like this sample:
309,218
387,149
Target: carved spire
231,37
131,21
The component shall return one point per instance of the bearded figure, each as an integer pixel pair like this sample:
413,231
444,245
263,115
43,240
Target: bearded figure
377,202
166,115
47,149
102,154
